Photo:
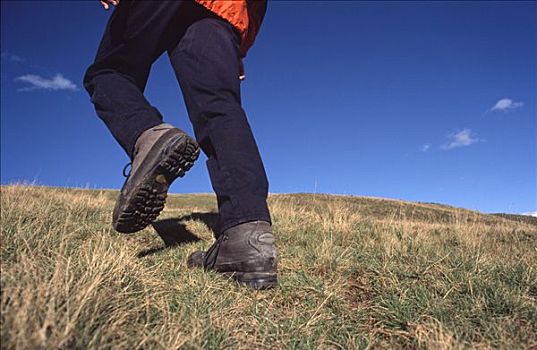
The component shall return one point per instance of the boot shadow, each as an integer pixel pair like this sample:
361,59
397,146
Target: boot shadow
210,219
173,232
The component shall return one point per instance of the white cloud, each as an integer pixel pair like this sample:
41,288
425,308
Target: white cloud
8,56
425,147
58,82
506,104
531,213
460,139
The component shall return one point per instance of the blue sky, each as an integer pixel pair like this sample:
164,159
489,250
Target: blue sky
432,102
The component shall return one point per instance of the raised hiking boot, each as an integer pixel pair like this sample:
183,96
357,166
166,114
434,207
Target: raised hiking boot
245,253
161,154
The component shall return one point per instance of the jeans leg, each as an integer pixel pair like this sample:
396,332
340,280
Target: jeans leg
206,62
137,33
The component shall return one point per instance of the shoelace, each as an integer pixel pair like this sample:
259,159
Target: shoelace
125,169
213,251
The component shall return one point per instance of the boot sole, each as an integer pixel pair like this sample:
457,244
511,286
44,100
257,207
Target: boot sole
255,280
144,202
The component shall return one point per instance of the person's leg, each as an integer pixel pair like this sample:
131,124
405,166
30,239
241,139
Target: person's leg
132,41
206,61
137,33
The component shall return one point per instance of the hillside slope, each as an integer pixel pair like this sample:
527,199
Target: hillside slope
354,272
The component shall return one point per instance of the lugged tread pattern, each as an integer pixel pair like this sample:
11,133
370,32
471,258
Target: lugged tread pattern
148,201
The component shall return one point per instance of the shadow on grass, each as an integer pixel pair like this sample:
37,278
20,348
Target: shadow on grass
173,232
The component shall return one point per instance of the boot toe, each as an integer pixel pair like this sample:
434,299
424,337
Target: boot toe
196,259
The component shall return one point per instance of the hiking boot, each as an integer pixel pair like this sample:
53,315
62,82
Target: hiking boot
161,154
245,253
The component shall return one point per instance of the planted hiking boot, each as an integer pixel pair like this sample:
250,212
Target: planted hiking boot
245,253
161,154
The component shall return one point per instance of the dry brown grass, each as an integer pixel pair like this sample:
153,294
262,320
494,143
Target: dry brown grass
355,273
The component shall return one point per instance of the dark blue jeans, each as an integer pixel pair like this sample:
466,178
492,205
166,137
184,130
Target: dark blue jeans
204,52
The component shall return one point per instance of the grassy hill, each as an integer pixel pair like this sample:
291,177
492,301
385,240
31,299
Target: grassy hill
355,272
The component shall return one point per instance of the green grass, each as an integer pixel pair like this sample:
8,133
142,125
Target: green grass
355,272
